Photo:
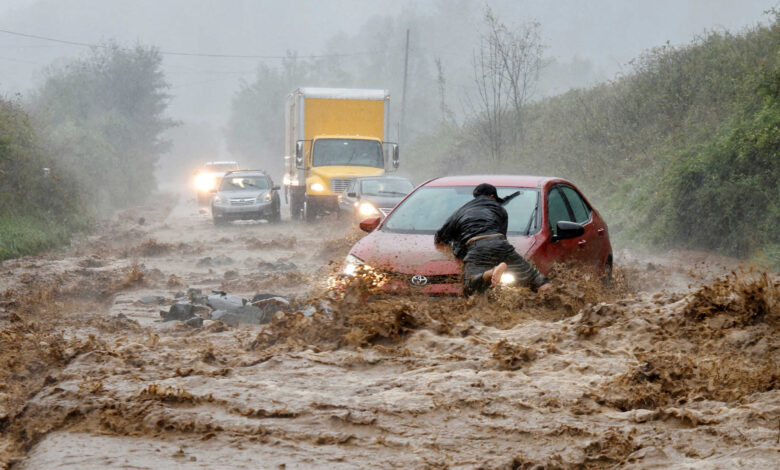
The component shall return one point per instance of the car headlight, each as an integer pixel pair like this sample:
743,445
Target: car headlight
351,265
204,181
217,199
507,279
317,187
367,209
264,197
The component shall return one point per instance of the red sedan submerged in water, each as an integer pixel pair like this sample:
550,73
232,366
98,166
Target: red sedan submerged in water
550,221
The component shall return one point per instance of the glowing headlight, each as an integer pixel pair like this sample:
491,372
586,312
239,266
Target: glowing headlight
266,197
217,199
204,181
507,279
317,187
367,209
351,264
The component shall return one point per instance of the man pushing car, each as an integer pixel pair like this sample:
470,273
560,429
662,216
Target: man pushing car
477,234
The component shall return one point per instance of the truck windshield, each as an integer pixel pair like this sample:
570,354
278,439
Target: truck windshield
426,210
348,152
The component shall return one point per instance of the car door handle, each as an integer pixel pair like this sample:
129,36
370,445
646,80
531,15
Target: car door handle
601,231
582,243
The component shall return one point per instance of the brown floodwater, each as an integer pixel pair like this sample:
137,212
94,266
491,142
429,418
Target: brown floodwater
675,364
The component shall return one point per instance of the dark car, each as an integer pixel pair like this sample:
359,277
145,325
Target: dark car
244,195
374,196
549,221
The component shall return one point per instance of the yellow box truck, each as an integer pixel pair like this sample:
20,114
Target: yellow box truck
333,135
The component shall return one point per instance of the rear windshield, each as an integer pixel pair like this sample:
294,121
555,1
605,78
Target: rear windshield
238,183
426,210
385,187
222,167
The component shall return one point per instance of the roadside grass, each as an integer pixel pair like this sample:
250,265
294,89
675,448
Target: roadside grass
32,234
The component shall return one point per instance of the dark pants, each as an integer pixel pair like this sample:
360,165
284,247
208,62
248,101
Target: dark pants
486,254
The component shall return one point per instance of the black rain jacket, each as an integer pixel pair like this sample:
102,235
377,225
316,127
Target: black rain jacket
482,215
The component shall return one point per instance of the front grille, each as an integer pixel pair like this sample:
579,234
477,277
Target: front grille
338,185
385,210
434,279
242,202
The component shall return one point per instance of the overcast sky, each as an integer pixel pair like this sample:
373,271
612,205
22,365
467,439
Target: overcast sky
607,33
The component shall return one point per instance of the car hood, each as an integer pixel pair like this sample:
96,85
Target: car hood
415,253
241,194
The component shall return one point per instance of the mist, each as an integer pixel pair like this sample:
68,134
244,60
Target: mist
585,43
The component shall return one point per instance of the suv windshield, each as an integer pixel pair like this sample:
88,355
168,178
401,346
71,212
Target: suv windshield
238,183
221,167
348,152
426,210
385,187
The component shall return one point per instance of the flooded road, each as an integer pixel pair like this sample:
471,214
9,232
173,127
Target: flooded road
674,364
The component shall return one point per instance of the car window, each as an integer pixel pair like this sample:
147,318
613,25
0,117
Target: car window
578,206
426,209
556,209
238,183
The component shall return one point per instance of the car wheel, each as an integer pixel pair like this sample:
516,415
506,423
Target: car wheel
608,271
276,216
309,212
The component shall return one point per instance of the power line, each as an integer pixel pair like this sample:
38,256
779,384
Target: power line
185,54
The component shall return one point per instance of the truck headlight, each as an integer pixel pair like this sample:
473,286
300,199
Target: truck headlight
317,187
351,265
367,209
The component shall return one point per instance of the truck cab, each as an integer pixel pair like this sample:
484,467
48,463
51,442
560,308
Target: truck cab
333,136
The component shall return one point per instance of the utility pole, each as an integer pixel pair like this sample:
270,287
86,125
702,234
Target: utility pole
402,129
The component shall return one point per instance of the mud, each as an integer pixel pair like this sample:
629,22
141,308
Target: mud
674,364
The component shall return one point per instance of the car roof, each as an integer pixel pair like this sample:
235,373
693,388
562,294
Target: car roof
383,177
247,173
521,181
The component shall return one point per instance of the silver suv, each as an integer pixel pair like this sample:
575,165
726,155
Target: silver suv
245,194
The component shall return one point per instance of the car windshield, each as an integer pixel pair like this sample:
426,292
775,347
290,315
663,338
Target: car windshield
386,187
351,152
222,167
426,210
239,183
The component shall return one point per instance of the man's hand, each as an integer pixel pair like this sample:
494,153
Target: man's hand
544,287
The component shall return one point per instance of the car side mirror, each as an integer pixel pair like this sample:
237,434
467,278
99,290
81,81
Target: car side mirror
352,195
299,147
568,230
370,224
275,188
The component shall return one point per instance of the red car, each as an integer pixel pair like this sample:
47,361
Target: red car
549,221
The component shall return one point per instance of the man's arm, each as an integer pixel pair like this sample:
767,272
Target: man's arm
445,233
503,221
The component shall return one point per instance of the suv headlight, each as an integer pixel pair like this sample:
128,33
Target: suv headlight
217,199
264,197
351,265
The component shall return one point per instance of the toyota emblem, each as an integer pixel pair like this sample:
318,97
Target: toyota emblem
418,280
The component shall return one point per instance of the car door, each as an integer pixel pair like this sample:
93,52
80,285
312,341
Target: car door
561,251
588,245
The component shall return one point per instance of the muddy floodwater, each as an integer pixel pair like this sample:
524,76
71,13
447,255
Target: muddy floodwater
675,364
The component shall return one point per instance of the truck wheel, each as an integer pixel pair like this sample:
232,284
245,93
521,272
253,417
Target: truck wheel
276,216
309,212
